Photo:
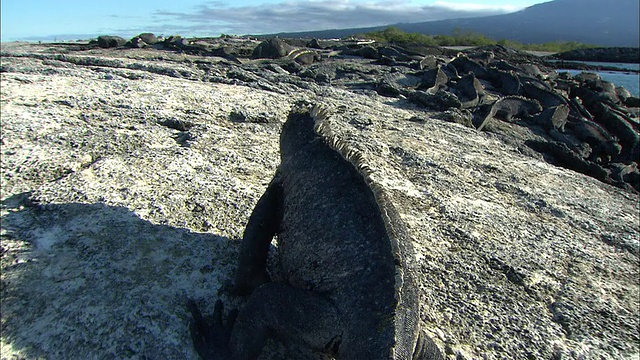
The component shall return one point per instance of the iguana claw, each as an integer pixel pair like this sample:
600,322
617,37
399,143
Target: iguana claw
211,341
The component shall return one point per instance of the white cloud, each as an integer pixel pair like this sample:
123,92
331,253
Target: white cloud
289,16
214,17
456,6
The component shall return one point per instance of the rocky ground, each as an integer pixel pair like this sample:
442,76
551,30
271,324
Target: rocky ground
129,173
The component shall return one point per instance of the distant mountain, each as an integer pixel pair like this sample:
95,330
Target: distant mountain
598,22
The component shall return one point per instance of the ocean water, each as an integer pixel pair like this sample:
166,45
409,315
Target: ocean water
622,66
628,79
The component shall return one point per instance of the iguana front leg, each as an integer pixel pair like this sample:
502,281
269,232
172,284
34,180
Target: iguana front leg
274,310
211,341
263,224
281,311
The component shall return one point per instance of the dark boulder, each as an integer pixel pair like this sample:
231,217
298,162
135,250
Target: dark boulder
227,52
440,100
314,44
292,67
273,48
109,41
136,42
319,73
393,53
148,38
462,117
386,88
388,61
632,101
200,47
176,42
367,52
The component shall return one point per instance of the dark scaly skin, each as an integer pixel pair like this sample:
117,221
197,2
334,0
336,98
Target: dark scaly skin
347,288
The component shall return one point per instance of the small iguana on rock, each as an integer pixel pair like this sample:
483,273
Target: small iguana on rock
344,256
469,91
509,107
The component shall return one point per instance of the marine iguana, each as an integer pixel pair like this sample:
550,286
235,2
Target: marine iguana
509,107
469,91
344,255
464,65
506,80
433,80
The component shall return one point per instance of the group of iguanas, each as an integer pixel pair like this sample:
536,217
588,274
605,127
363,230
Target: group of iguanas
587,123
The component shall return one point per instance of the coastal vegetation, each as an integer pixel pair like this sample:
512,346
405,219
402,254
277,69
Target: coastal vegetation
459,37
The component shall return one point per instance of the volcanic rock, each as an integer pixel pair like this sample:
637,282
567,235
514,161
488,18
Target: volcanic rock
128,176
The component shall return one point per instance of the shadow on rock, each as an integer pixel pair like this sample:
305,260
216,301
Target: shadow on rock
97,281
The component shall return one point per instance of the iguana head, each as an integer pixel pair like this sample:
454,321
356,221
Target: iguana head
302,127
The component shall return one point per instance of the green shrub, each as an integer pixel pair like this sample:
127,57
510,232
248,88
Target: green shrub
394,35
459,37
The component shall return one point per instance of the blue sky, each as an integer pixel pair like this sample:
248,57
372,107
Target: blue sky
76,19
